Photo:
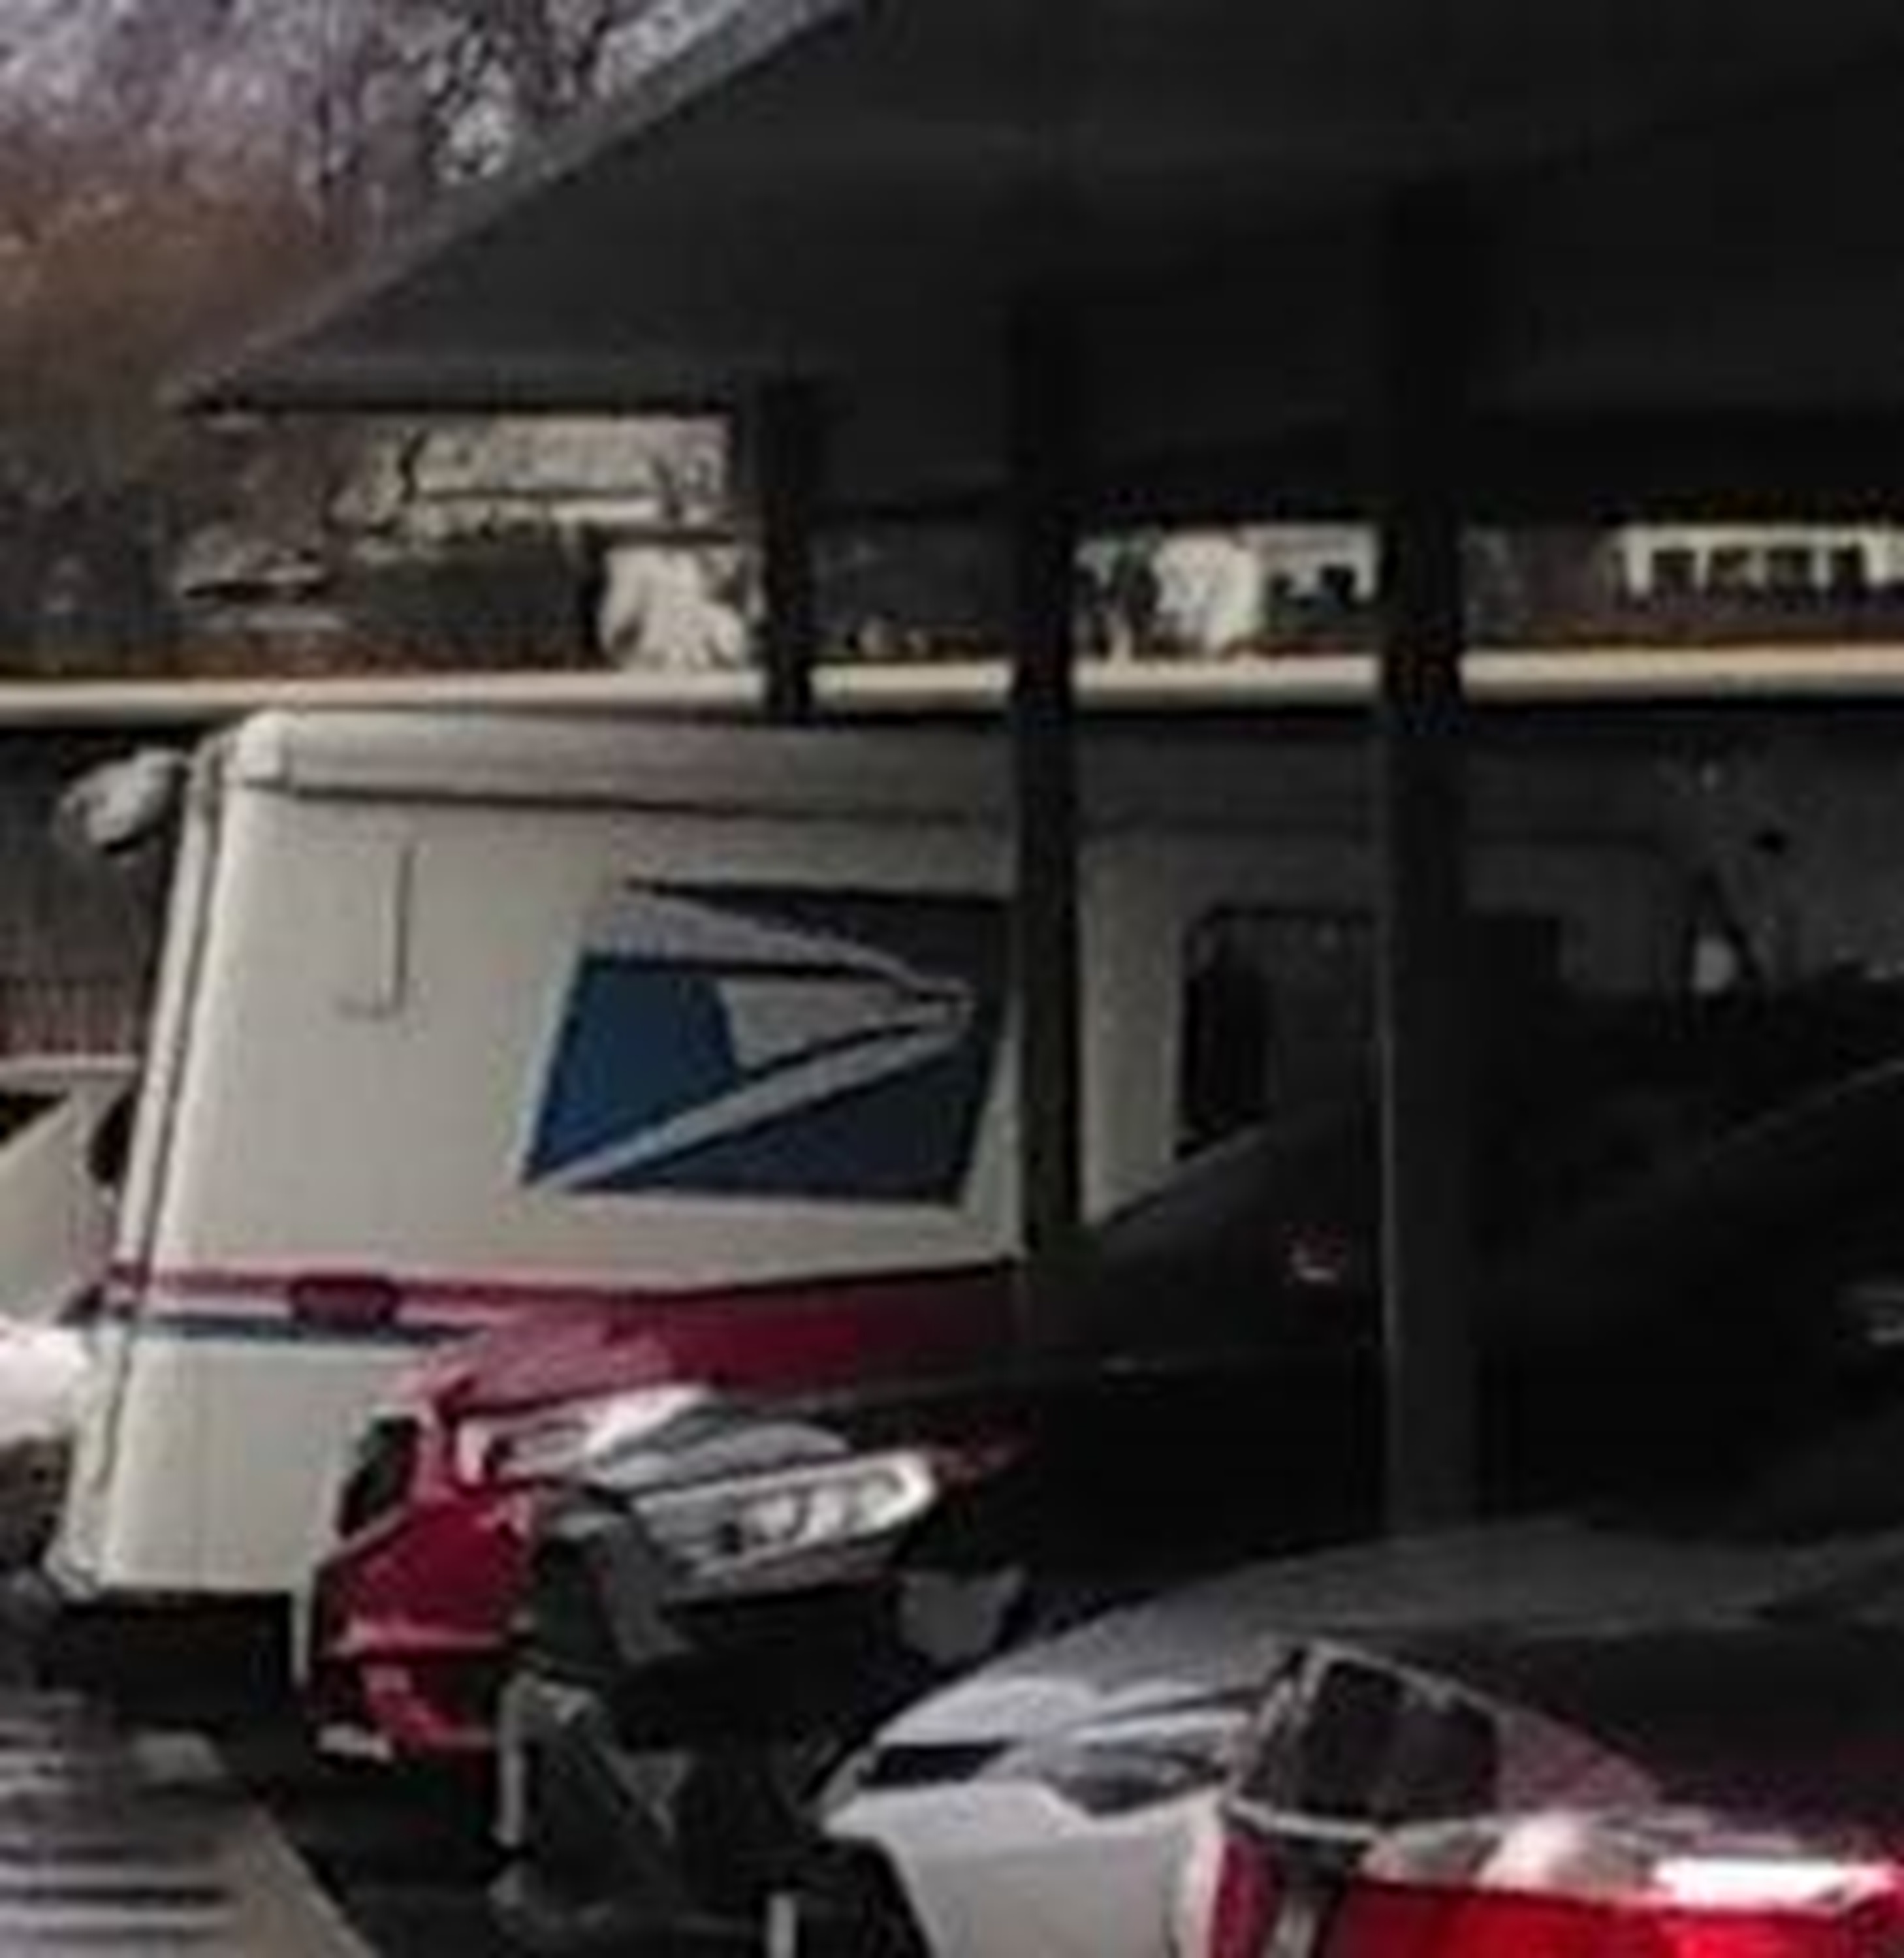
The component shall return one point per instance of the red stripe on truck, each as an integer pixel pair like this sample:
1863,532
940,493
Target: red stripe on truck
471,1302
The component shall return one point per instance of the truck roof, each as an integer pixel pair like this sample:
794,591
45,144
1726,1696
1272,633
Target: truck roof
555,758
1201,775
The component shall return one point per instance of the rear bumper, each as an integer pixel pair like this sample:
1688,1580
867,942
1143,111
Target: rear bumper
405,1631
424,1705
970,1860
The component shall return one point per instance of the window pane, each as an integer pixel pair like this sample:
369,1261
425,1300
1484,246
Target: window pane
1277,1018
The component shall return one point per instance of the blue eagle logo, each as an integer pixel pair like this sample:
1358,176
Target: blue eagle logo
823,1044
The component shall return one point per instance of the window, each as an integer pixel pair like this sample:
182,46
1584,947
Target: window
1339,586
1729,568
774,1044
1277,1016
1849,575
1672,573
1789,570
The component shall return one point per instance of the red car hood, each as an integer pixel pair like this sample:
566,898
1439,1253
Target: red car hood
814,1332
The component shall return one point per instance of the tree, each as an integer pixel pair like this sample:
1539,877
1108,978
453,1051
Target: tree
172,170
346,113
120,262
411,99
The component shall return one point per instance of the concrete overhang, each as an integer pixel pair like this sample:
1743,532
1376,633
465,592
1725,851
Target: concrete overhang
1688,250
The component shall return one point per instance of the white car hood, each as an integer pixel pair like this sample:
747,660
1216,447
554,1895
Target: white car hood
1221,1638
55,1221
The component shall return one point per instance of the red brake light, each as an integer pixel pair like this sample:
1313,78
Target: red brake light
1383,1921
1243,1900
1596,1886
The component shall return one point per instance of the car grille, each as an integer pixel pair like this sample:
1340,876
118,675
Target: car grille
382,1468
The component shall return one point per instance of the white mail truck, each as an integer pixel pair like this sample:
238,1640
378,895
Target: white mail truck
468,1016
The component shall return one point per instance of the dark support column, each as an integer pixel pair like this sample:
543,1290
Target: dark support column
1421,766
786,459
1043,411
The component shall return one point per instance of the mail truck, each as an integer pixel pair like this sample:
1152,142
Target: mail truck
465,1017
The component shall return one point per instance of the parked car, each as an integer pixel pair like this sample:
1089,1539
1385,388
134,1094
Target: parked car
1590,1738
679,1685
1053,1801
406,1621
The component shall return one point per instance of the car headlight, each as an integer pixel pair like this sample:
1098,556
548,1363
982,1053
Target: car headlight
1133,1761
552,1443
745,1527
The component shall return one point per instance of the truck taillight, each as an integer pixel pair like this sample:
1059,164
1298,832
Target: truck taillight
1601,1885
344,1302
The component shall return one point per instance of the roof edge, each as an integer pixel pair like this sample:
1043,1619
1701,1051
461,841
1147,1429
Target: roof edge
749,34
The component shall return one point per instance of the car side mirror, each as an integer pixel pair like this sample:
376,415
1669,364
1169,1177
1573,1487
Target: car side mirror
114,808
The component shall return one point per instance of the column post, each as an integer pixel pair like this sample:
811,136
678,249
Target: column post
1423,960
1043,414
785,444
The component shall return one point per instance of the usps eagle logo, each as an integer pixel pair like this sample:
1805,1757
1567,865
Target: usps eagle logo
774,1044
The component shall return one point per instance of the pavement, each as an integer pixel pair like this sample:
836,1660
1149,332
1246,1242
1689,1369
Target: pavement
407,1860
139,1820
112,1841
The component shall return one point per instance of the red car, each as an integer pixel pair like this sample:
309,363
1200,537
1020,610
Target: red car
408,1617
